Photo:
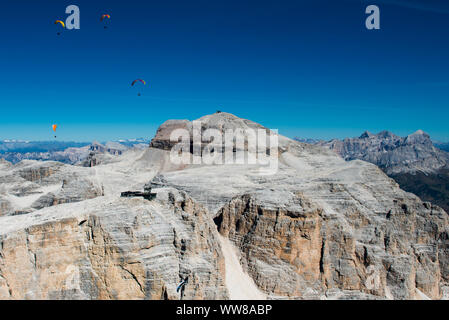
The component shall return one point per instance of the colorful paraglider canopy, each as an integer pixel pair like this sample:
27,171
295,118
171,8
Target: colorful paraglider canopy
137,80
54,127
105,16
60,22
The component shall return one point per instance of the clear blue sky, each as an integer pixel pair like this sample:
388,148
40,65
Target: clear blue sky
308,68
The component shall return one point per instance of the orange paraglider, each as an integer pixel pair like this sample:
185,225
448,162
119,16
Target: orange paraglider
54,127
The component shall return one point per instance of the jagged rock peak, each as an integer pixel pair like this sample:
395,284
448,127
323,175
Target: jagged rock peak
419,133
366,134
419,137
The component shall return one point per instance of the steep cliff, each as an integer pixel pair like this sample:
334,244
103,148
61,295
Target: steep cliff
122,249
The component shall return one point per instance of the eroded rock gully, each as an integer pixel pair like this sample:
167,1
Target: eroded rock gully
305,254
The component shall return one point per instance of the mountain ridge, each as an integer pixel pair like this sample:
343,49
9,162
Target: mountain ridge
394,154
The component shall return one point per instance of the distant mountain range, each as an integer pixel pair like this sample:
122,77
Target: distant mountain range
21,146
419,165
440,145
66,152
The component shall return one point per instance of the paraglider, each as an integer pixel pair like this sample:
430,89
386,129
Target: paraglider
54,126
182,285
138,80
104,16
61,23
134,82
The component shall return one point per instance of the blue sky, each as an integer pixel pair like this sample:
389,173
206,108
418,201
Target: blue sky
307,68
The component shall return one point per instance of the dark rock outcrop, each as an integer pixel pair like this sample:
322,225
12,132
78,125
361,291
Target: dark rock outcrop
133,194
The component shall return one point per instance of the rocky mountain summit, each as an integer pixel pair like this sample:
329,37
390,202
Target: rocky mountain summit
318,228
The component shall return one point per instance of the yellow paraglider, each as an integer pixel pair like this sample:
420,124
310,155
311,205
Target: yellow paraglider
62,23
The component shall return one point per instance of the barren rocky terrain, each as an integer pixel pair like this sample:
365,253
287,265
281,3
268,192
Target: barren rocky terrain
319,228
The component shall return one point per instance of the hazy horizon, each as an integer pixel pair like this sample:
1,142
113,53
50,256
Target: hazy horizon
148,138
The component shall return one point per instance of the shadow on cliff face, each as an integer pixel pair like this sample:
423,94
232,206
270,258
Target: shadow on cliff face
218,220
429,187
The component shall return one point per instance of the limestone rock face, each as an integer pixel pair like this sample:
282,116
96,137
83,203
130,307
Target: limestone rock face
5,206
282,248
162,138
125,249
221,122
